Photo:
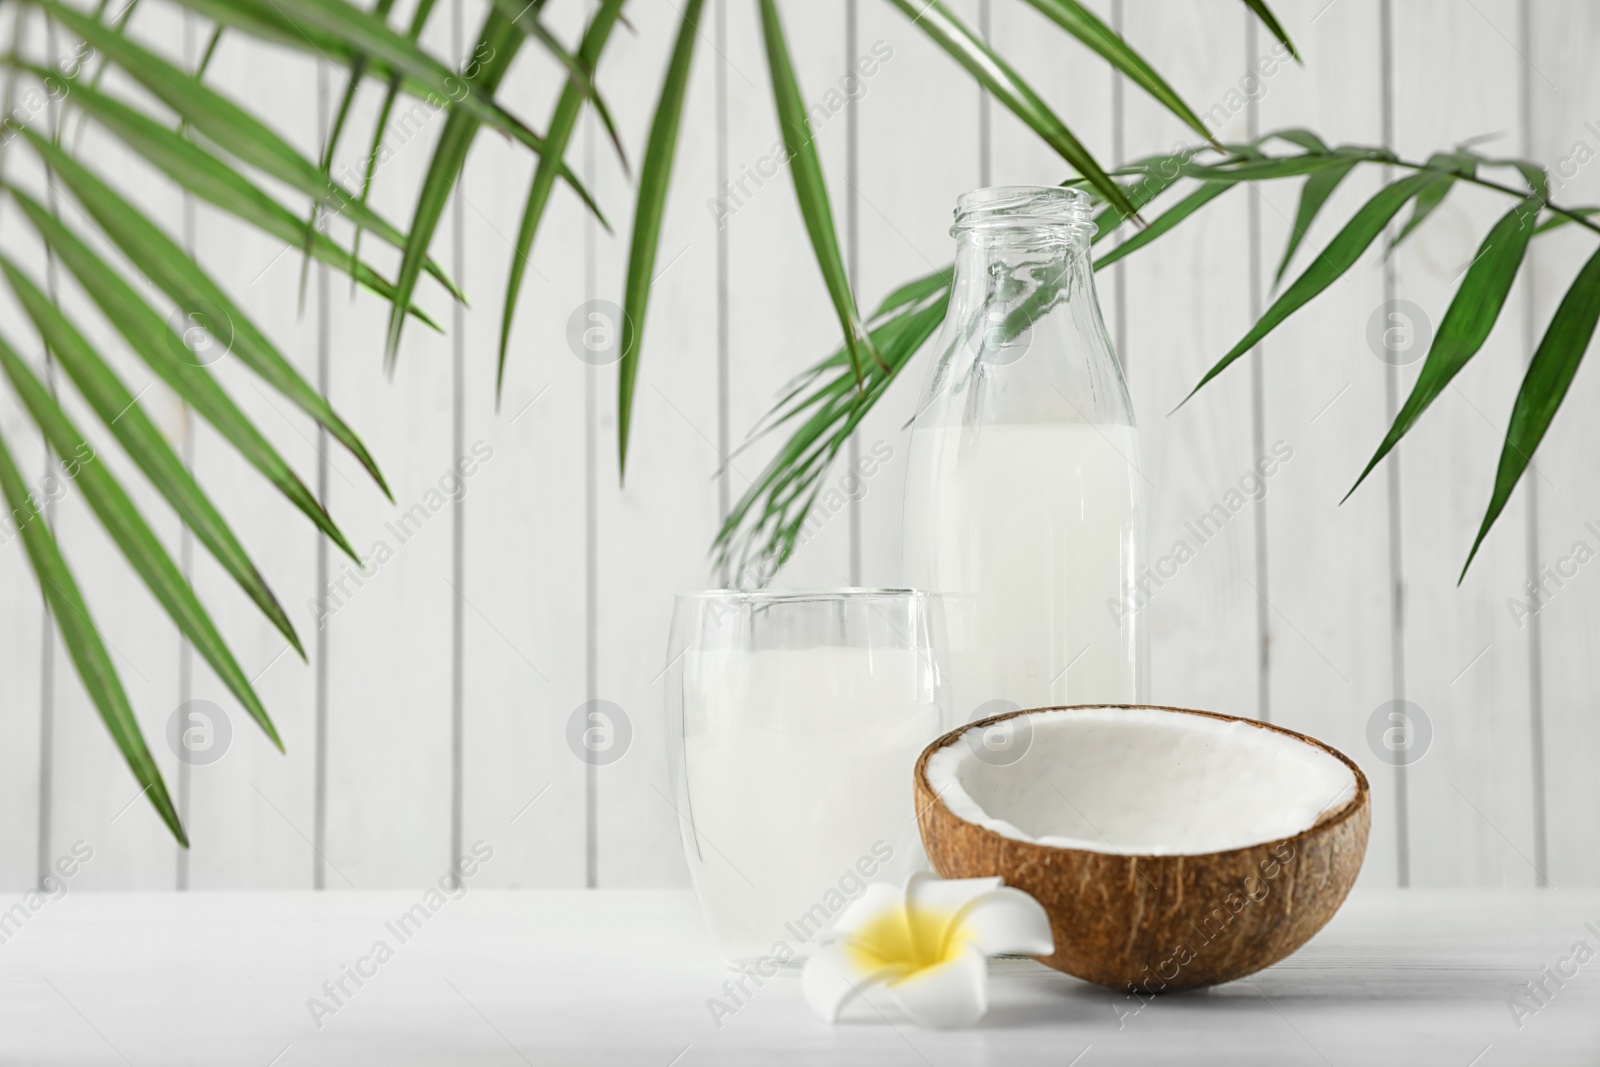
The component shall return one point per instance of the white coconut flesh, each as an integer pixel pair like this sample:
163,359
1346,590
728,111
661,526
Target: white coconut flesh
1137,781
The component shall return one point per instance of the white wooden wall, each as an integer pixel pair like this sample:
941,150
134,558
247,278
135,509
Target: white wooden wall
434,708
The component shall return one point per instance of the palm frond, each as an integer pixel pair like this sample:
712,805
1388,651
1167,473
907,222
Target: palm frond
1270,21
810,189
996,75
502,39
580,73
820,410
655,175
200,299
132,535
211,179
164,352
1340,255
1550,373
231,127
419,21
563,120
1467,322
119,410
84,644
1086,26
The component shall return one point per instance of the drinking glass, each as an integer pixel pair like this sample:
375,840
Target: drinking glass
794,720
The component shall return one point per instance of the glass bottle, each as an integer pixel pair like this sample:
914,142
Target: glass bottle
1023,496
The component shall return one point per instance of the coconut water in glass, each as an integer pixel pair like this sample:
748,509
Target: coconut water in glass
794,722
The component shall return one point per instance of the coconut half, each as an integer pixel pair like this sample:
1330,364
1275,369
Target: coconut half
1171,848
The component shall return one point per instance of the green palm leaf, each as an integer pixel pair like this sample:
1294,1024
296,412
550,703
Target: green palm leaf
99,74
353,82
341,115
1087,27
994,74
1532,173
165,264
1467,322
230,127
208,53
915,291
1561,220
1155,175
268,22
1340,255
372,36
1428,201
120,411
217,183
1256,168
84,644
419,20
1301,138
1314,194
160,348
563,120
1270,21
526,16
788,485
133,536
1165,222
1550,373
460,129
655,175
810,189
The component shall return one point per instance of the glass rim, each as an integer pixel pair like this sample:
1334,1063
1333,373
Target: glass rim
841,594
1023,207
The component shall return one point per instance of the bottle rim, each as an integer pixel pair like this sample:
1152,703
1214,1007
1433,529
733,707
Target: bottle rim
1020,208
787,596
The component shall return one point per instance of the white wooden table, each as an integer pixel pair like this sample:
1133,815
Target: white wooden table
541,977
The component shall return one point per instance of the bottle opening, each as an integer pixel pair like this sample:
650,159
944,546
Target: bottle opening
1022,208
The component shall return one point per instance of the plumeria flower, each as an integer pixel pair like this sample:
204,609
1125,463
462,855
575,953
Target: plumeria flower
928,942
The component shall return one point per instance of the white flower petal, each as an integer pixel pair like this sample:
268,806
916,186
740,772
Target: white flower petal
1005,920
879,898
938,902
948,895
950,994
831,979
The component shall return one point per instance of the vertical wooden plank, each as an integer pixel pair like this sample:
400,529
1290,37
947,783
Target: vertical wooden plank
1471,796
1331,664
1565,135
780,320
250,811
652,531
911,169
525,526
1188,301
389,675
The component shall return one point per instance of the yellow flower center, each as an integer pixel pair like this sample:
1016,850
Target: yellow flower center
908,939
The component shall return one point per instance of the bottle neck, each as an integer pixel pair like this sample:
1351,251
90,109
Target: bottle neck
1007,284
1023,340
1020,274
